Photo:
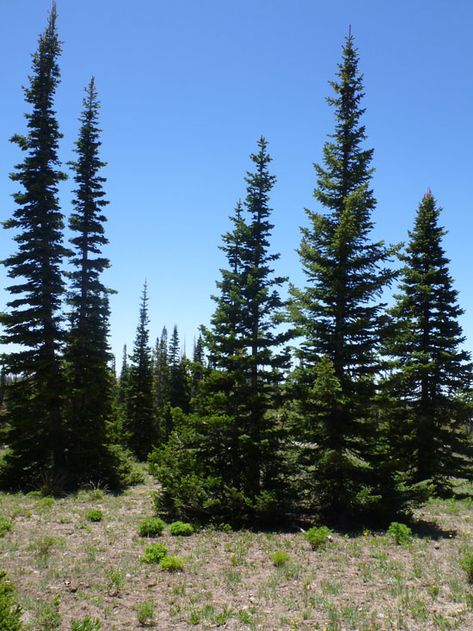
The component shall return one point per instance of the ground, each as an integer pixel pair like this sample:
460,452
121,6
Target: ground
66,567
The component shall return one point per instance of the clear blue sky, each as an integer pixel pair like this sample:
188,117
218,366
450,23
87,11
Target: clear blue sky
187,87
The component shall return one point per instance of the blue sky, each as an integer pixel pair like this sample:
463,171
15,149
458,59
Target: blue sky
188,86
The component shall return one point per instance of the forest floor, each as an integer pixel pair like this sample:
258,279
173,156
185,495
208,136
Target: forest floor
66,568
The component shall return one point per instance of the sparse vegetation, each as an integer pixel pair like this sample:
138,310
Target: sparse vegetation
86,624
172,564
5,526
146,613
151,527
401,533
10,610
466,563
279,558
318,536
181,529
154,553
94,515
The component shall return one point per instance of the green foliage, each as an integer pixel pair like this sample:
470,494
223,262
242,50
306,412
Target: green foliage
32,321
89,380
339,316
181,529
94,514
146,613
172,564
86,624
279,558
224,463
428,388
318,537
49,616
154,553
140,420
10,611
115,579
401,533
151,527
466,563
5,526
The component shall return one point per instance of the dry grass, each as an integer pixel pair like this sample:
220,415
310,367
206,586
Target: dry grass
66,568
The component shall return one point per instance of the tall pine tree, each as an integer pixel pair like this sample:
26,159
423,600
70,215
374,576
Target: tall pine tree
338,313
90,380
140,420
224,464
431,374
33,321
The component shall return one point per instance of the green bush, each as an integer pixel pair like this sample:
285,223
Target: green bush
151,527
466,563
318,536
181,529
5,526
401,533
154,553
86,624
146,613
94,514
10,611
172,564
279,558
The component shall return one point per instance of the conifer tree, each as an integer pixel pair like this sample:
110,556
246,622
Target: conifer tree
338,313
179,386
431,374
123,379
161,371
90,382
140,421
224,463
33,319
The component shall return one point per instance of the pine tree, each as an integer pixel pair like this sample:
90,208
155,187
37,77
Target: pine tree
224,463
123,379
339,314
161,371
179,386
431,373
140,421
33,321
88,354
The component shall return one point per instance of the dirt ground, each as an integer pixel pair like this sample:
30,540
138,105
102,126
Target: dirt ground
66,567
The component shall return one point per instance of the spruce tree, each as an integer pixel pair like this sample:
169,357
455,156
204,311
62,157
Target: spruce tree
431,374
224,463
338,313
33,320
140,421
179,385
90,381
123,379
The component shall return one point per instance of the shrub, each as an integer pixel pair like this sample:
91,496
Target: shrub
10,611
172,564
5,526
154,553
94,514
318,536
181,529
145,612
279,558
401,533
466,563
115,579
151,527
46,502
86,624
